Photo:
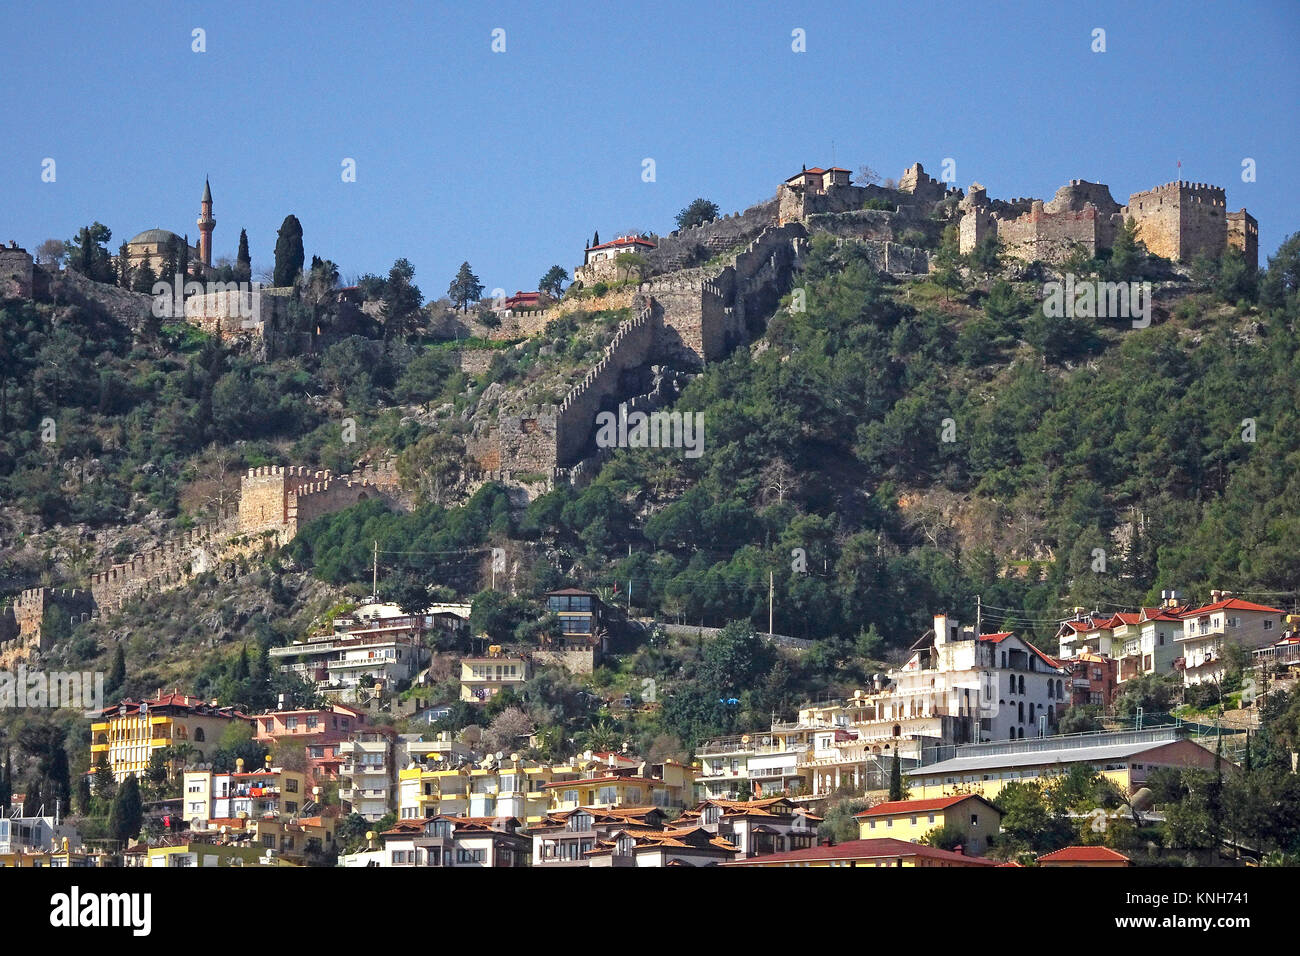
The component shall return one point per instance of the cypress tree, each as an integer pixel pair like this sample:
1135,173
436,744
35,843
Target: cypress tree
128,811
243,261
896,777
288,252
117,670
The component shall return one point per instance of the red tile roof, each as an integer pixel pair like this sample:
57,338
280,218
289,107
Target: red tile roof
875,849
1083,854
1232,604
623,241
918,806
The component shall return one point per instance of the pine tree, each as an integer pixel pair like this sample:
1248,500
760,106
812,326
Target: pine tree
288,252
128,811
144,278
243,261
465,288
105,786
896,777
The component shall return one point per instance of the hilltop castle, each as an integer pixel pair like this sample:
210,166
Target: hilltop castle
1177,221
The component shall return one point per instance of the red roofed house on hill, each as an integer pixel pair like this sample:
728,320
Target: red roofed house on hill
1084,856
1209,630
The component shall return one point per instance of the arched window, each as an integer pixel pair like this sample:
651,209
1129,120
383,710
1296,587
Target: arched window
1011,734
198,735
1031,711
1022,683
1022,733
898,731
1060,691
1020,712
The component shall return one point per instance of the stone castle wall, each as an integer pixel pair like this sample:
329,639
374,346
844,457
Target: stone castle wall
1182,220
281,499
17,272
1176,221
633,345
21,636
170,564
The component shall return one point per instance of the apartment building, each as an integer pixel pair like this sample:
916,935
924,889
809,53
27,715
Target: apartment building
129,733
270,792
482,678
1092,679
320,732
377,645
954,688
1226,620
879,852
370,763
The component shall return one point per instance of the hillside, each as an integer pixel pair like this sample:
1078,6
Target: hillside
886,447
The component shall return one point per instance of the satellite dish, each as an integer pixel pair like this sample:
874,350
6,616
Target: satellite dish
499,754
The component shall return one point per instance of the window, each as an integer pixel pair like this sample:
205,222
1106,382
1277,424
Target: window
931,820
974,819
291,723
1268,625
291,785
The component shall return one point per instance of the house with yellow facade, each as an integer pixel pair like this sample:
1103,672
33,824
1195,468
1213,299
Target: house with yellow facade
129,733
970,814
482,678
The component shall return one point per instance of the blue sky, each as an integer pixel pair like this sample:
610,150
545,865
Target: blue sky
511,160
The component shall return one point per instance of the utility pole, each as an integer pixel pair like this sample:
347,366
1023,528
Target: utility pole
979,618
771,597
374,574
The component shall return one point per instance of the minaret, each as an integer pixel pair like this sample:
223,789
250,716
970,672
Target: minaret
206,224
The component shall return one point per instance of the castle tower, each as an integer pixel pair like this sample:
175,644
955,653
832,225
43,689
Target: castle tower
206,225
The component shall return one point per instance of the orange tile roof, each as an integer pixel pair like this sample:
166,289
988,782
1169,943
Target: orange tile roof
1083,854
1233,604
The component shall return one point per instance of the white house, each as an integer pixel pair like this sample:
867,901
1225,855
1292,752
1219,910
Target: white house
1208,630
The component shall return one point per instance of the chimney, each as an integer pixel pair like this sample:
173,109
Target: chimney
940,630
1215,596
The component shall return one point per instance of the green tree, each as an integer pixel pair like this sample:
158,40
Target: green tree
552,282
465,288
289,255
87,252
243,261
699,211
896,777
127,814
400,308
105,787
117,670
1126,254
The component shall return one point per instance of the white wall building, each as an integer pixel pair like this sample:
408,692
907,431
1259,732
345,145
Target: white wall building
1208,630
